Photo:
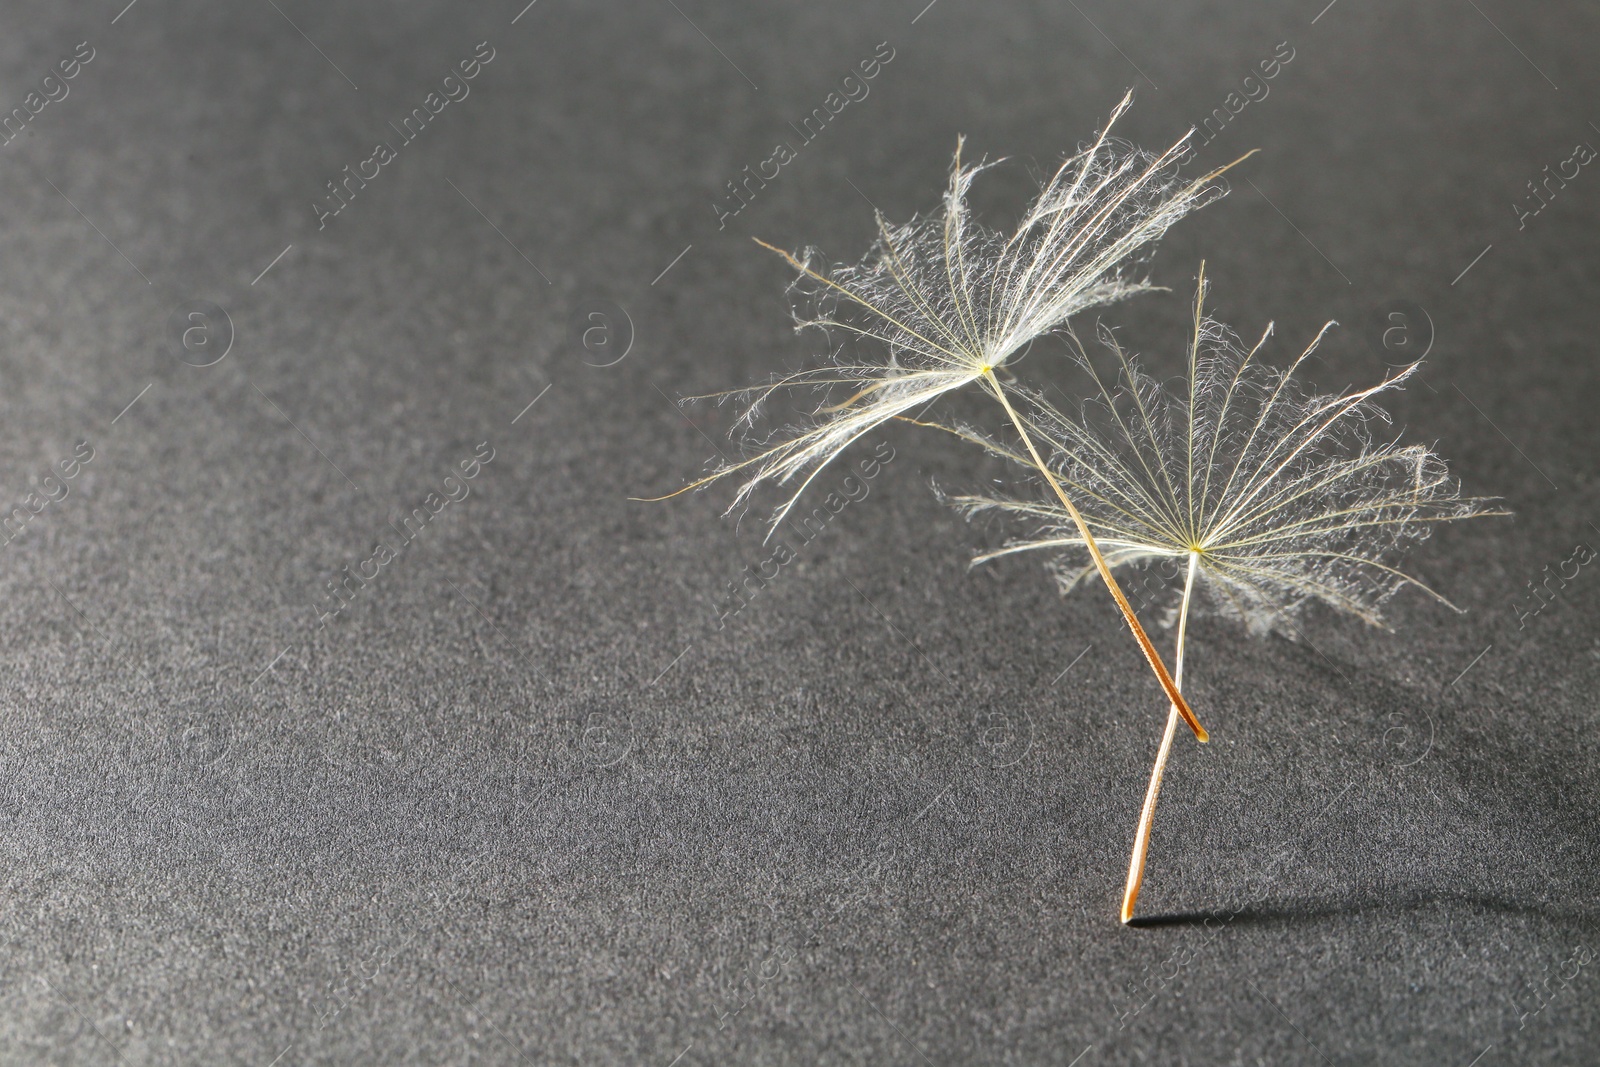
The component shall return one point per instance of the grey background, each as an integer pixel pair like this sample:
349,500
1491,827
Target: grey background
523,802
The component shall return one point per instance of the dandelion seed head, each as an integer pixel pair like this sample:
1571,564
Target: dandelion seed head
942,302
1282,495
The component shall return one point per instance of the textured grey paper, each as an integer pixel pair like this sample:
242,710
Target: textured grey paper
521,800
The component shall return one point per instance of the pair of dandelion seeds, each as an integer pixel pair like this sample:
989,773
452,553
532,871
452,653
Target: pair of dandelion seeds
1261,493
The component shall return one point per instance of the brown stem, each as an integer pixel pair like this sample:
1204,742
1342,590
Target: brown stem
1179,705
1141,840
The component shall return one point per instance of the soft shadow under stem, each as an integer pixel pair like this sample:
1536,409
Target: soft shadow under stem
1141,840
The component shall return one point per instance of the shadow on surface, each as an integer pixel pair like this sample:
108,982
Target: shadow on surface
1315,910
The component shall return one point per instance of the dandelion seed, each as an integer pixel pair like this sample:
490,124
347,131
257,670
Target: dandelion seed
1271,496
952,302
